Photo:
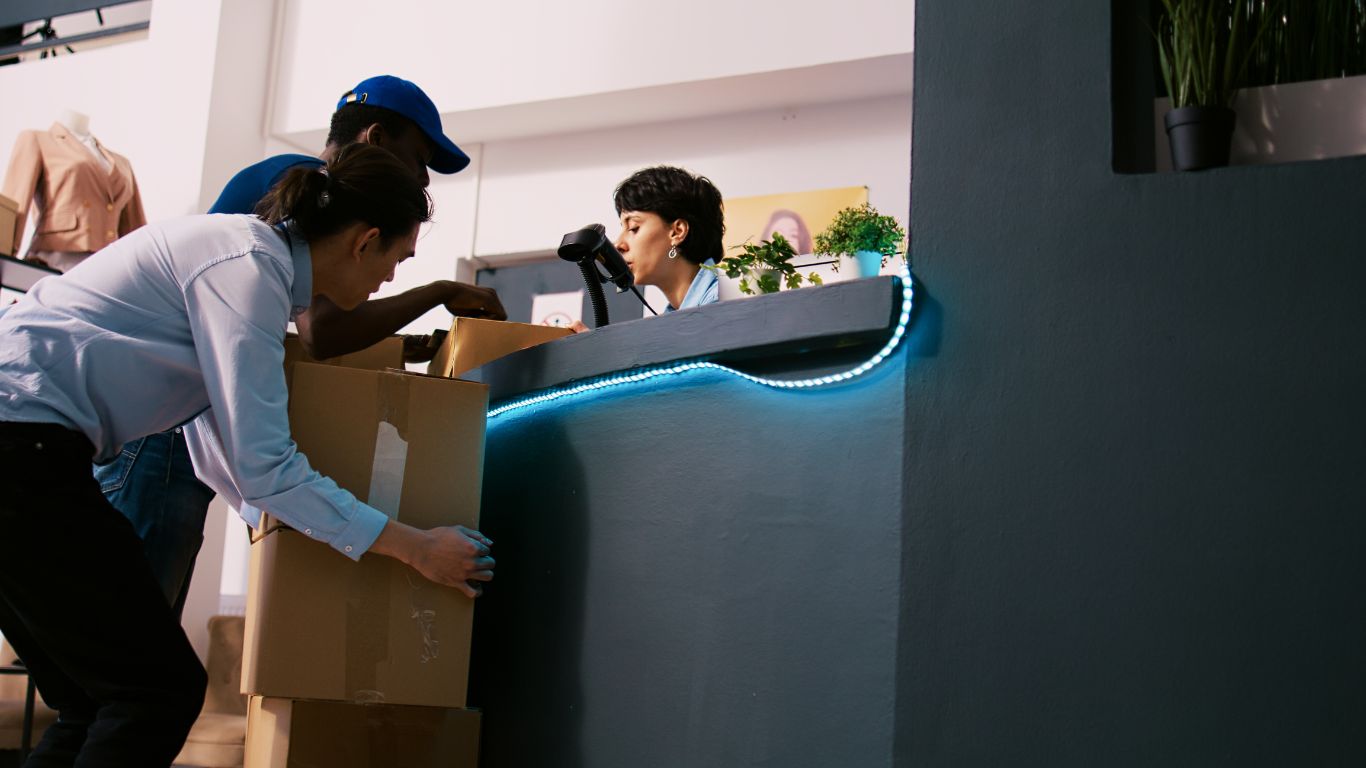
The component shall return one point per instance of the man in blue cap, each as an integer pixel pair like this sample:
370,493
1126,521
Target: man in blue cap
152,482
395,114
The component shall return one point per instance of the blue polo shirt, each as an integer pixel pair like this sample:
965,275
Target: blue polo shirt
246,189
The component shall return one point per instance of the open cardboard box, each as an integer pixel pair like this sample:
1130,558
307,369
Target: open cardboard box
387,353
321,626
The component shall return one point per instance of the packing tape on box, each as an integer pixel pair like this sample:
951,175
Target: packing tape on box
393,400
386,471
367,602
368,644
367,636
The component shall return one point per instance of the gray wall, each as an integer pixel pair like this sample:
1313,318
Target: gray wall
1134,501
696,570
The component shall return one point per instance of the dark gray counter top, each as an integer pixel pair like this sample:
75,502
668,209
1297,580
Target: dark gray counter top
769,334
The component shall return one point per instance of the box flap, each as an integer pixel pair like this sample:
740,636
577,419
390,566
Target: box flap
473,342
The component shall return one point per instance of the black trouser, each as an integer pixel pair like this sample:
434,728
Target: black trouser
81,607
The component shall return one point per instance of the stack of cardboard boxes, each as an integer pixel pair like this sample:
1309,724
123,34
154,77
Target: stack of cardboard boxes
366,663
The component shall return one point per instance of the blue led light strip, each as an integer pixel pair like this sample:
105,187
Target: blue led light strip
645,374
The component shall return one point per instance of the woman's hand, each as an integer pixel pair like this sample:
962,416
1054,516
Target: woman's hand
455,556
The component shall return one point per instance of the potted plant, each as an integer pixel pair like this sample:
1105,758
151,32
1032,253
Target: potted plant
1203,49
767,263
863,234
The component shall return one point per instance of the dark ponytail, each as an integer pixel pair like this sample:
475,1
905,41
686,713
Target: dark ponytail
363,183
672,194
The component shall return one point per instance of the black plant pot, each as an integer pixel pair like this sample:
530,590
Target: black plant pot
1199,136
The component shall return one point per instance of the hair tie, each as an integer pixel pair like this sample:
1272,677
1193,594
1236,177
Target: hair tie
323,197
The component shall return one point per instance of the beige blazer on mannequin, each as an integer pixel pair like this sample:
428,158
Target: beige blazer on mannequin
81,206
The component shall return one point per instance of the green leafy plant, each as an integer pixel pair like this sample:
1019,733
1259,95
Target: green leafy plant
767,263
1308,41
1205,47
860,228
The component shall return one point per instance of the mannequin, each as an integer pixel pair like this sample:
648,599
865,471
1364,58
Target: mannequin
79,125
75,122
85,196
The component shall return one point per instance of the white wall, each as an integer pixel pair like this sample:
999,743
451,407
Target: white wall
236,135
147,100
533,191
472,56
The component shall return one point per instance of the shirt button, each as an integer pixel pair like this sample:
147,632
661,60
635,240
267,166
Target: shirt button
348,547
109,233
308,531
109,206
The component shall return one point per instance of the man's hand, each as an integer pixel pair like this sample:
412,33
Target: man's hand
418,348
455,556
474,301
327,330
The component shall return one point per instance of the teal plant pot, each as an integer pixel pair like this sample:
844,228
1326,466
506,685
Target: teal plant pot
869,263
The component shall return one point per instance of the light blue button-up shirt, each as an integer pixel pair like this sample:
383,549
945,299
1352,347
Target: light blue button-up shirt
179,321
704,289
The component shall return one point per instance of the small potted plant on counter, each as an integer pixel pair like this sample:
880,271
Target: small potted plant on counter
863,234
765,266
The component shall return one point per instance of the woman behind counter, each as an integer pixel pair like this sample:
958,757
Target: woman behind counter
671,226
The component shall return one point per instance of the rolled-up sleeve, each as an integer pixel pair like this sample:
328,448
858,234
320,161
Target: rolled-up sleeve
241,447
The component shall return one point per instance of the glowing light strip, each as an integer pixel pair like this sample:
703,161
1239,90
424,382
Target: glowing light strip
674,369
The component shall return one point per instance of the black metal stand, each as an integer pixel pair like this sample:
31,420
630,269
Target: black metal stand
599,302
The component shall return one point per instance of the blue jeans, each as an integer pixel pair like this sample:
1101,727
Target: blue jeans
153,484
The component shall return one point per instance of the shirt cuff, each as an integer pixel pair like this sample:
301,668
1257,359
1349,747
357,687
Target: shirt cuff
359,535
249,514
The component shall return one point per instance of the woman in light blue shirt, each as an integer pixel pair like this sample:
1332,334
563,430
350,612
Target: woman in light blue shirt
672,223
181,323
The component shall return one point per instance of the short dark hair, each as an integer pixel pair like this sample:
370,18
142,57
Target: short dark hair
362,183
353,117
673,193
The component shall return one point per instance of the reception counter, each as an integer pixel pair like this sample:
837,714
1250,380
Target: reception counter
697,567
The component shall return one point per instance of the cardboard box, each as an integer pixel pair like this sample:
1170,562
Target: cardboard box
282,733
472,343
388,353
9,214
321,626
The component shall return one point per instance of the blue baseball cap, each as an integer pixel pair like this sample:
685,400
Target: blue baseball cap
405,98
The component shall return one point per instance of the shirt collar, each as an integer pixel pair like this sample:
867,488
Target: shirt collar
301,293
701,282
